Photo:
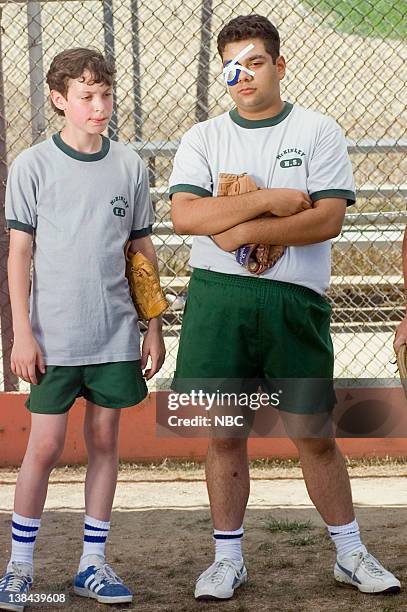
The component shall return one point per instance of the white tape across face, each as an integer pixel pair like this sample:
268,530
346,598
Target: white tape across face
232,68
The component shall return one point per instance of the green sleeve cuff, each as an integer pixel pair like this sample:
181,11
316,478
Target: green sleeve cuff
186,188
17,225
145,231
349,196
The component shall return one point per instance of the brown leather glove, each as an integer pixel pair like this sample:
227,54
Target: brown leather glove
257,258
144,283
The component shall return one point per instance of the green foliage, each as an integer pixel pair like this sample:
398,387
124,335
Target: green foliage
369,18
286,525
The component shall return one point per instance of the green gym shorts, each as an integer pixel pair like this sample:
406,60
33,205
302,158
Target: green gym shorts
242,333
111,385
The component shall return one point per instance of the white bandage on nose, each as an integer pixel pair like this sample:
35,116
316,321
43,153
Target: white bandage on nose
232,69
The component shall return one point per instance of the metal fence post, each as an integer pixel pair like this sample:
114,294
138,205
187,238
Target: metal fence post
37,99
108,30
202,88
10,380
138,118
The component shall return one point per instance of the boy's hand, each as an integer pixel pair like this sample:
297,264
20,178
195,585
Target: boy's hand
287,202
153,347
401,335
25,357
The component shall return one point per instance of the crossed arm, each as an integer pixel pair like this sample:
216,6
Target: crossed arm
295,221
194,215
321,222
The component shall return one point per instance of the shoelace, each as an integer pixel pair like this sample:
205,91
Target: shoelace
105,573
371,564
221,567
16,580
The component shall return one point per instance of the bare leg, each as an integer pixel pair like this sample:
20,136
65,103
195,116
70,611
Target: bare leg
326,479
101,430
45,445
227,479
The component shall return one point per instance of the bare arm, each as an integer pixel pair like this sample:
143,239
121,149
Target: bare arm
19,260
145,246
194,215
26,354
401,332
322,222
153,342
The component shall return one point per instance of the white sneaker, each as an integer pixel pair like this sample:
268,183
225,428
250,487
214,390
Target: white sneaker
363,571
220,580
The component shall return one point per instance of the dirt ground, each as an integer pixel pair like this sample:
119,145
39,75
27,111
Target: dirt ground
160,552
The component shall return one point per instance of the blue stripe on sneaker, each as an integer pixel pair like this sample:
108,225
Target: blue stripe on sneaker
100,539
23,527
348,573
92,528
21,539
221,536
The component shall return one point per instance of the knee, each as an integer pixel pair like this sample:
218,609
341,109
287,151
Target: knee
228,445
48,453
102,440
315,447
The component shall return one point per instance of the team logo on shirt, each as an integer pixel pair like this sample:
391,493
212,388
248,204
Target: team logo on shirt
287,159
119,204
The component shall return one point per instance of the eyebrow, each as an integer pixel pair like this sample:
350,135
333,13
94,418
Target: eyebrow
254,57
89,91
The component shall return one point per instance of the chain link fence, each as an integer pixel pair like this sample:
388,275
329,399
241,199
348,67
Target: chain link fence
344,58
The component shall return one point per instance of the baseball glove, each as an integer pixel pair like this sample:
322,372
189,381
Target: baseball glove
144,283
257,258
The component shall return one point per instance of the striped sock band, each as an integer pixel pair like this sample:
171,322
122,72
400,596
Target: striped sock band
24,532
228,544
94,536
345,537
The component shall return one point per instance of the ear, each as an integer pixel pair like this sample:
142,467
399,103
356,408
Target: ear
58,99
280,65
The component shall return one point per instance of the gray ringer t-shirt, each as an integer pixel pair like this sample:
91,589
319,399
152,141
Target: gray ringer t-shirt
81,210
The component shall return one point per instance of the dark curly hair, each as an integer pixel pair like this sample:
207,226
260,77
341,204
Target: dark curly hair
250,26
72,63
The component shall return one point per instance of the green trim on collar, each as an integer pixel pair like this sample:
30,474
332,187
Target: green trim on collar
349,196
184,187
17,225
85,157
261,123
